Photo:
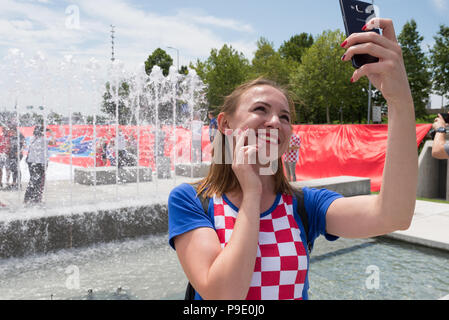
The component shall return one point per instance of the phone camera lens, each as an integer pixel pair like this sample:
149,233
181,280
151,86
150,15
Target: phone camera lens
357,7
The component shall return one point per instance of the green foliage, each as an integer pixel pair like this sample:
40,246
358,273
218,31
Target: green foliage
269,64
416,65
125,115
222,72
440,62
427,118
54,118
322,84
159,58
184,70
295,47
317,78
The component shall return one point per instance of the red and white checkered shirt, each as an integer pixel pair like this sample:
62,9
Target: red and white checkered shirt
281,262
293,155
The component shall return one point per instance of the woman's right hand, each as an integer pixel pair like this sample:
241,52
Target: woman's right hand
246,173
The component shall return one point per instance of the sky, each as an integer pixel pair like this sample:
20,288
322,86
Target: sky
81,28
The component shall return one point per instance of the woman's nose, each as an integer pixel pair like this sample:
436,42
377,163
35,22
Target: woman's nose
273,121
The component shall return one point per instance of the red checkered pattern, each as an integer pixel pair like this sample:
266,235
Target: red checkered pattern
293,155
281,263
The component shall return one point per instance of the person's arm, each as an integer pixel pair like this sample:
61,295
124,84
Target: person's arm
438,150
217,273
393,208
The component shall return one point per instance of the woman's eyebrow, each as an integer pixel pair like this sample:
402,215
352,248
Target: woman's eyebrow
269,106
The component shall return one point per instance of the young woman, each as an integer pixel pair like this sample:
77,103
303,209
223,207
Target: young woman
250,244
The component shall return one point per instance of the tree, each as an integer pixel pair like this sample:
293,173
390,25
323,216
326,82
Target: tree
184,70
125,114
222,72
416,65
159,58
54,118
269,63
295,47
321,84
440,62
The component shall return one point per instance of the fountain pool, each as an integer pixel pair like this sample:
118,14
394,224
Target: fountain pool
147,268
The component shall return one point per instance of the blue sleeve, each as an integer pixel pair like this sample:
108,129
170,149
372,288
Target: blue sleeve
317,202
185,212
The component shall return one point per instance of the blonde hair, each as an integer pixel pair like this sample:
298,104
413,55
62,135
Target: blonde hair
221,177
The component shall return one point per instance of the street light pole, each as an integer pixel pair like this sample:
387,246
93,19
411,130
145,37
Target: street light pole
177,56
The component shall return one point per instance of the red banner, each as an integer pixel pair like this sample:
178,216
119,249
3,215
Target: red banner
326,150
345,150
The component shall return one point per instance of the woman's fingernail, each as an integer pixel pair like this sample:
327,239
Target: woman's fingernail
344,43
364,27
352,80
343,57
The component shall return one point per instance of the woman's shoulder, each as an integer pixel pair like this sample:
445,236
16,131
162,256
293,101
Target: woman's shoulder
183,187
310,193
319,199
182,191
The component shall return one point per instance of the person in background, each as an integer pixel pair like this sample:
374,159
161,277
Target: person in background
101,153
15,154
291,157
440,148
213,126
37,160
121,146
110,152
131,152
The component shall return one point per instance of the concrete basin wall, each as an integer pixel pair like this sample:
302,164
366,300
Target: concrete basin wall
46,234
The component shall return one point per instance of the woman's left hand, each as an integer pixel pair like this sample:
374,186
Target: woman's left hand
389,74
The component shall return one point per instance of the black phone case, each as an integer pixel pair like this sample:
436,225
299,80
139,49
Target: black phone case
355,16
445,117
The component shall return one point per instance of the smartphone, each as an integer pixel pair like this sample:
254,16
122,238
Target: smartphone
355,15
445,117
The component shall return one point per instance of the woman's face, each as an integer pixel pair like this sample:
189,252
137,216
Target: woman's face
264,107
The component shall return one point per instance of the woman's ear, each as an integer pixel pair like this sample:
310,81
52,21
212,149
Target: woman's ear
223,122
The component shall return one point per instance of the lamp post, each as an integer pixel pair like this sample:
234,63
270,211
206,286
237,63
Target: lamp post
177,56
